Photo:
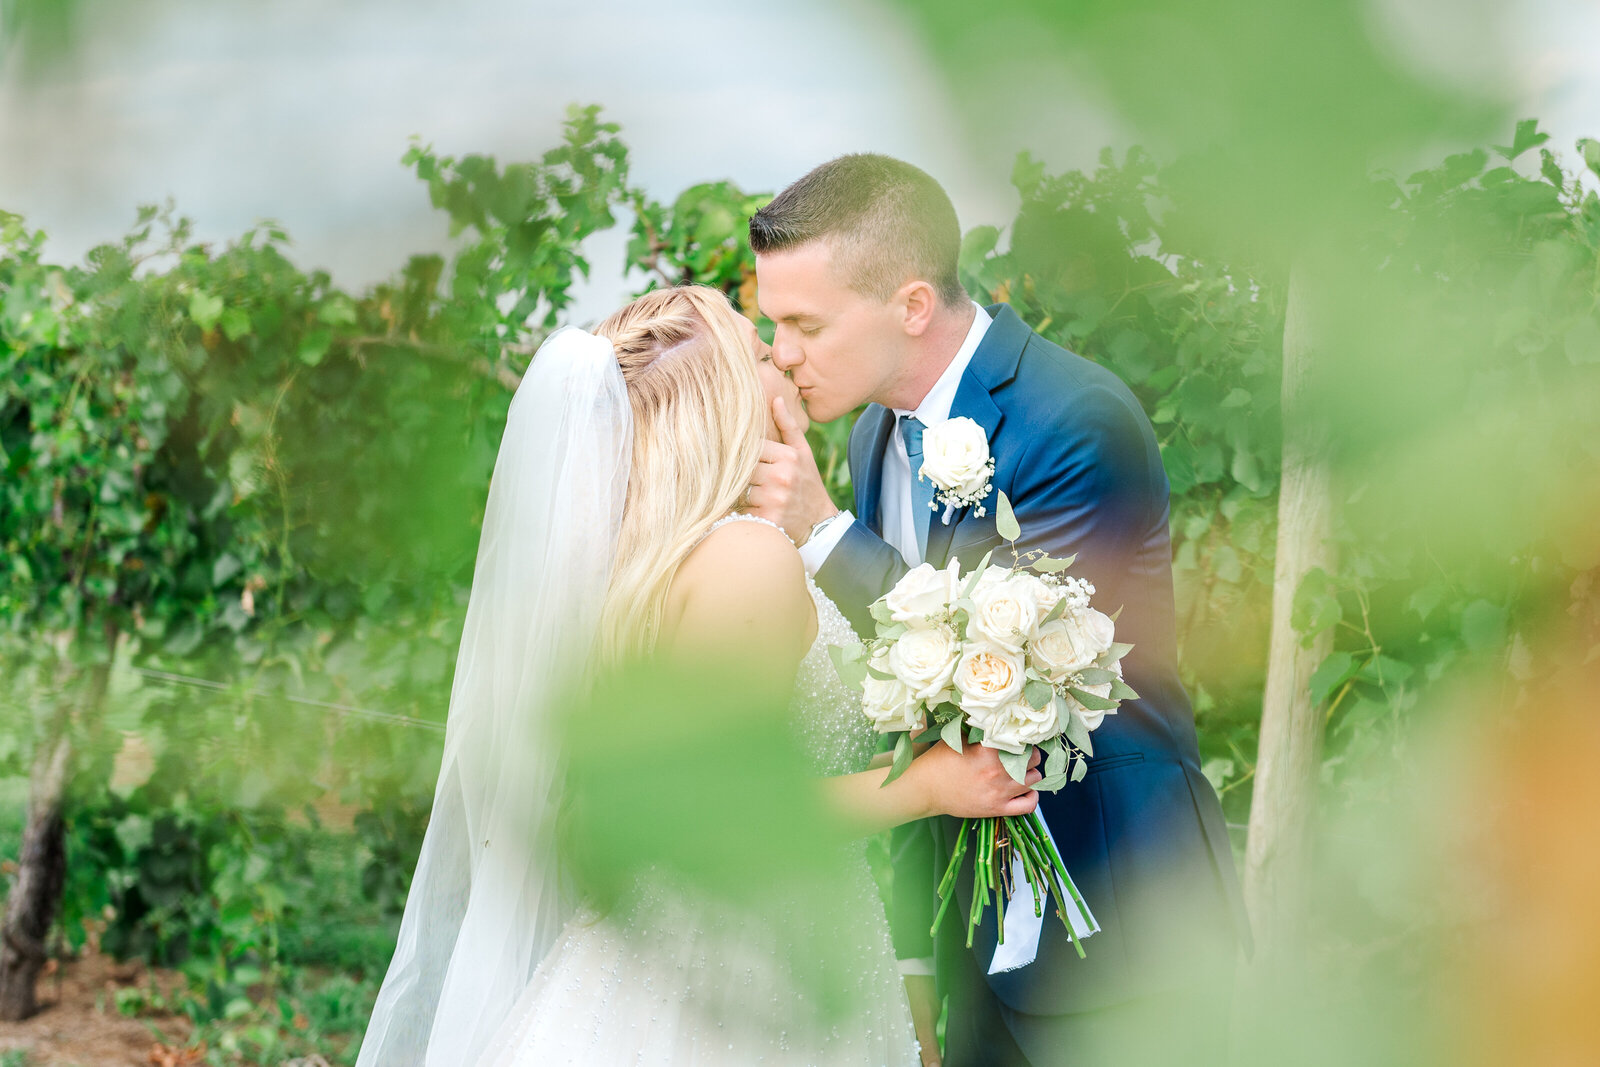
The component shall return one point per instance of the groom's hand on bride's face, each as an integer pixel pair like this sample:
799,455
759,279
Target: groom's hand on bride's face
787,486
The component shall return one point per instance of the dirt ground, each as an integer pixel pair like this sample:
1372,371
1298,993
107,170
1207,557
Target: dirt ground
78,1025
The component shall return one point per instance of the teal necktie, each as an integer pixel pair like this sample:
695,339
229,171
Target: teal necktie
921,488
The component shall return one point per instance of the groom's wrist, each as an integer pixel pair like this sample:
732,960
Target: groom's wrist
820,525
816,549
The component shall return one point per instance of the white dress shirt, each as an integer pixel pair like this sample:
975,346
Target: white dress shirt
898,517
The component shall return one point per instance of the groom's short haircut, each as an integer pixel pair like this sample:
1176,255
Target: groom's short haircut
888,222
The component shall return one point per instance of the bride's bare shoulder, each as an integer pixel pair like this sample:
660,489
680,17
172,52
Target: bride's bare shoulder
744,585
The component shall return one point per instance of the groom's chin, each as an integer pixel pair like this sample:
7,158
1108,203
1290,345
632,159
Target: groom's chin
819,412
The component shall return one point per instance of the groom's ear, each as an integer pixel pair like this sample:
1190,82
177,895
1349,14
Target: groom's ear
919,301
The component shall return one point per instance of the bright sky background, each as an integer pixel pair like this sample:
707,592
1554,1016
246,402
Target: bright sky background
299,110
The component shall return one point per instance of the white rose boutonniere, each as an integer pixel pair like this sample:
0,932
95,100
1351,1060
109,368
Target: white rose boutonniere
955,458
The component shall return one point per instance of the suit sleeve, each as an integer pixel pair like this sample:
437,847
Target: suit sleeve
862,566
1093,485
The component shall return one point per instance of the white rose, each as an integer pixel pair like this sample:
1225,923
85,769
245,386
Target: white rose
993,575
923,592
1046,594
955,455
1101,630
1017,724
1090,719
1006,613
891,705
925,660
988,677
1062,648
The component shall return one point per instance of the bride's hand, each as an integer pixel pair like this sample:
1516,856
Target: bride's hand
972,783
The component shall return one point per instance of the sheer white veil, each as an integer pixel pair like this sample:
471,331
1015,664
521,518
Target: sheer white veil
487,899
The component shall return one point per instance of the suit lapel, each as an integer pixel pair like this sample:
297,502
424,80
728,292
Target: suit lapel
993,365
878,421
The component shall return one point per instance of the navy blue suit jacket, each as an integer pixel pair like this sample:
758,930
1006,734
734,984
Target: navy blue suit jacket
1143,835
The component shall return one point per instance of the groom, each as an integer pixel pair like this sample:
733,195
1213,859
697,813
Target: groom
856,265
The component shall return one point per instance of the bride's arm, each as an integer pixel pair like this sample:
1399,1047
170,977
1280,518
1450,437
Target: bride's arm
940,781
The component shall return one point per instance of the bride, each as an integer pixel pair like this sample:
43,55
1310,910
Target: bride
611,537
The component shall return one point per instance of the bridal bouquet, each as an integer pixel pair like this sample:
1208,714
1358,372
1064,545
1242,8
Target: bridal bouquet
1012,658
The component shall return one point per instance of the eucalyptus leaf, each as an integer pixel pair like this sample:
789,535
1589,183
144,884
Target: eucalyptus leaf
1075,730
975,577
1096,676
852,671
1005,520
1079,769
1016,765
1056,761
1038,694
1121,690
1090,701
952,734
902,758
1057,611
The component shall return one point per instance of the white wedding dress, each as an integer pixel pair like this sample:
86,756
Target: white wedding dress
671,984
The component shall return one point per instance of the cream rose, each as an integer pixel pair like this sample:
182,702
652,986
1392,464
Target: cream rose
1017,724
988,677
1006,613
922,593
1062,648
924,660
955,455
891,705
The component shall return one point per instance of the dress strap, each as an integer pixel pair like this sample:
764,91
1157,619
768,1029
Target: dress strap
739,516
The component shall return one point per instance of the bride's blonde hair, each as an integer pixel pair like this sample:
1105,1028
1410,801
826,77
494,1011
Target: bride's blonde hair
699,417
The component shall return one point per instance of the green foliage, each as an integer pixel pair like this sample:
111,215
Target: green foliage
1459,371
216,464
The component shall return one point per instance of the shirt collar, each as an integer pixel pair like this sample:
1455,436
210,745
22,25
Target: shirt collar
935,407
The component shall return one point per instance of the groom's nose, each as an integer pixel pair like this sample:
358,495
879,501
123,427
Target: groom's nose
786,354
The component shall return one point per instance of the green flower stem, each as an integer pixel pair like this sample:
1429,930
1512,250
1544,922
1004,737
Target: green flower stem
1030,863
1000,890
980,872
947,884
1063,883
